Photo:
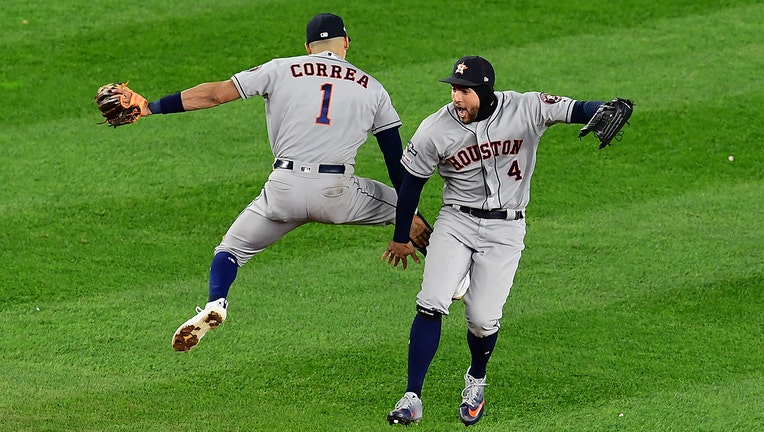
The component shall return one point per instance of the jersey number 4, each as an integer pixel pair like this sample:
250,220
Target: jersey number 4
323,118
514,171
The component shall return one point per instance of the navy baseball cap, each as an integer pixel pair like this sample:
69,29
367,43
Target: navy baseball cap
472,71
325,26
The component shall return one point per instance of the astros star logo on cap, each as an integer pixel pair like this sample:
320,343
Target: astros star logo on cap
460,68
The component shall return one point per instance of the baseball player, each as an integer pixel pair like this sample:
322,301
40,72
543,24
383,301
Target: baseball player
320,109
483,144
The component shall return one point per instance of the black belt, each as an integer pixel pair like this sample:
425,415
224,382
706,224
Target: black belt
488,214
322,168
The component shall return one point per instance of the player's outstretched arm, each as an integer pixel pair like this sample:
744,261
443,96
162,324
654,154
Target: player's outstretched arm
202,96
208,95
121,105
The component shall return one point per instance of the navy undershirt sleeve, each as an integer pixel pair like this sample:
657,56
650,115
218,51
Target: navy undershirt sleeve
408,200
389,141
583,111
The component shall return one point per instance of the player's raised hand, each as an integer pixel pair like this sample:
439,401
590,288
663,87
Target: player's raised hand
399,252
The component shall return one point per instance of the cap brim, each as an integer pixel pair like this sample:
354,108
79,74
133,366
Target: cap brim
460,82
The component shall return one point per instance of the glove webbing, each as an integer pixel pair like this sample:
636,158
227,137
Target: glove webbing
609,132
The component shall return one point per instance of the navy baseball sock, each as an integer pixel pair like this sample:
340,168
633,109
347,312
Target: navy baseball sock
222,274
481,349
423,344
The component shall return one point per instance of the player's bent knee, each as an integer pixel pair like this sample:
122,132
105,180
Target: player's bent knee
483,329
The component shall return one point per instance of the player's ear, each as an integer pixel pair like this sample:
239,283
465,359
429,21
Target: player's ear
307,48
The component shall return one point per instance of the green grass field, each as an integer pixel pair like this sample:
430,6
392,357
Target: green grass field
637,305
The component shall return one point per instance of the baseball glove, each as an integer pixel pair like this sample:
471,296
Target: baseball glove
607,122
120,105
420,233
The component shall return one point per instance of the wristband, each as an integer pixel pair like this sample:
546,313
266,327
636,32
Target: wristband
167,105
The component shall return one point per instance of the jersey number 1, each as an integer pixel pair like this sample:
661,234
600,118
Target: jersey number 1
324,119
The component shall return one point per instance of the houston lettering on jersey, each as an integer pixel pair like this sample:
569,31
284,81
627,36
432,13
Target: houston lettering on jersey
477,152
328,71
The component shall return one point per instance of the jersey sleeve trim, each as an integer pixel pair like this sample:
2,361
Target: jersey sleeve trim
239,88
569,114
385,127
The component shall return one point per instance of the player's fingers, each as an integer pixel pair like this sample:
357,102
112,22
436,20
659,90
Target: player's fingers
388,256
415,257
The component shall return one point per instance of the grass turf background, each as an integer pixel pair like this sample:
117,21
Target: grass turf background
639,293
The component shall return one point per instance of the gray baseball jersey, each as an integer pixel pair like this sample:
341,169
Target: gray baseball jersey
319,107
484,165
487,164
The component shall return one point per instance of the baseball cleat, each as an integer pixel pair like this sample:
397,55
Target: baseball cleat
408,410
473,399
192,331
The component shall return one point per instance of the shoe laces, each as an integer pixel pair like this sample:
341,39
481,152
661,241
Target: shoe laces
473,389
223,304
406,402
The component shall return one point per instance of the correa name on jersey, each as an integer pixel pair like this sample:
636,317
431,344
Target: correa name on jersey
335,71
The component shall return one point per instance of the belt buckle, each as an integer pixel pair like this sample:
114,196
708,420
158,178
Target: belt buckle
305,168
283,164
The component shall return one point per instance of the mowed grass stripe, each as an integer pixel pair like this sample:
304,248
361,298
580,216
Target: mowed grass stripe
217,57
